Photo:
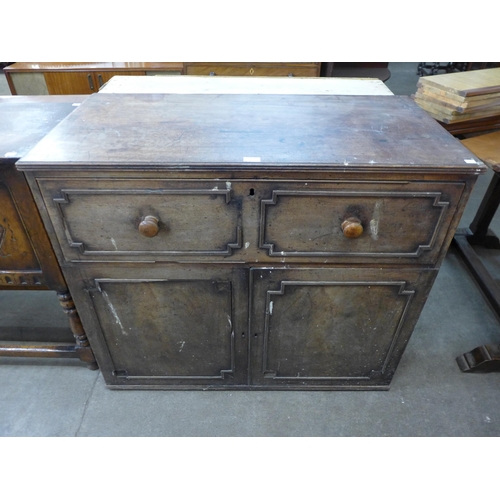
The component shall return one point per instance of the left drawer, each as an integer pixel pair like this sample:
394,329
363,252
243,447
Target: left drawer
143,220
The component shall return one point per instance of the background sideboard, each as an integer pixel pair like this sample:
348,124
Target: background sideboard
59,78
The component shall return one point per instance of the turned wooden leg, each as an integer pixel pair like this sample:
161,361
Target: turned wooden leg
83,348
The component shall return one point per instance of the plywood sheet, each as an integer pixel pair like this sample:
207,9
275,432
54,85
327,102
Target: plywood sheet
453,113
458,102
466,83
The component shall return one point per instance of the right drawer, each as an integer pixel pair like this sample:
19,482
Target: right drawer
364,222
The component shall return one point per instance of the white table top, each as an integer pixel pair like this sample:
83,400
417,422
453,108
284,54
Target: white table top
185,84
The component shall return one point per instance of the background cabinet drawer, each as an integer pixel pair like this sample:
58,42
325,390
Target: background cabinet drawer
254,69
143,220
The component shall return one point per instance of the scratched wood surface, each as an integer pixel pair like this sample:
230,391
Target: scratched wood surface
168,326
26,120
307,318
256,130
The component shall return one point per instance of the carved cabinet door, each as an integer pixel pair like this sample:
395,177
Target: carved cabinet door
323,328
16,250
177,326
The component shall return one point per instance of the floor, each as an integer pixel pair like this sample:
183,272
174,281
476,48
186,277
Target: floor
429,395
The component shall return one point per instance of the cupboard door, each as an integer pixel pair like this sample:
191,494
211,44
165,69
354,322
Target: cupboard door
81,82
16,250
332,328
179,327
63,82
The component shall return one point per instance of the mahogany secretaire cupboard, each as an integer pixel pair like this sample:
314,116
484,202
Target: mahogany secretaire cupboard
250,241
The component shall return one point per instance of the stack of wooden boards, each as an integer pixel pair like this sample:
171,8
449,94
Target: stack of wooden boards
459,97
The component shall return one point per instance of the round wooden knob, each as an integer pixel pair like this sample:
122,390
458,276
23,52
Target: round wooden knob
352,227
149,226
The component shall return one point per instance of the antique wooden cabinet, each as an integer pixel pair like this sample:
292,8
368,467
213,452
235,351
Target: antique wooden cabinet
27,261
250,241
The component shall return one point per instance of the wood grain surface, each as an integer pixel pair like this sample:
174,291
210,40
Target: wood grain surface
249,130
466,83
486,147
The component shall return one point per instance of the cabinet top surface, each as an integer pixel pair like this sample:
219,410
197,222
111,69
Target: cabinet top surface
24,120
110,66
91,66
249,131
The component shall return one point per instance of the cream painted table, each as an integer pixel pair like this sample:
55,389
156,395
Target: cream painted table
244,85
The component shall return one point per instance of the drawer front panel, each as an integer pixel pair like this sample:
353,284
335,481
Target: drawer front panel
98,223
311,70
251,220
332,327
409,221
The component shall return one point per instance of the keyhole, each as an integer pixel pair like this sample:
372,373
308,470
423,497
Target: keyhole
252,192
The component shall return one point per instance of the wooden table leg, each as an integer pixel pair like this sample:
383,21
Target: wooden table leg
480,234
483,358
80,349
82,344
